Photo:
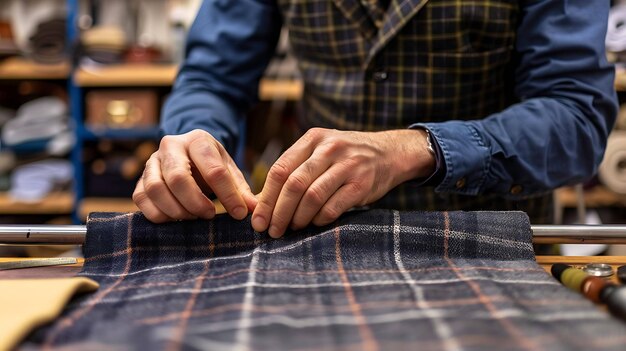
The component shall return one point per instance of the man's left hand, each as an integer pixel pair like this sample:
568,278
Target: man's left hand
327,172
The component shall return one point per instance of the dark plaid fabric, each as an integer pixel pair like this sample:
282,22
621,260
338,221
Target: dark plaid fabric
368,68
375,280
442,60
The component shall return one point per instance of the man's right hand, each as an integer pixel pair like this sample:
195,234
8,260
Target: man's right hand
180,175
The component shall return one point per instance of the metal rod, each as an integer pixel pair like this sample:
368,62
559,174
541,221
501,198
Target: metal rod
542,234
43,234
579,234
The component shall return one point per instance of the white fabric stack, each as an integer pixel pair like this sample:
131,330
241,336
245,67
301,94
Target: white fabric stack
41,120
612,171
616,30
33,181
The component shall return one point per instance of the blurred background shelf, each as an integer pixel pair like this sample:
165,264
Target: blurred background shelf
103,204
620,80
598,196
120,134
125,75
133,75
55,203
21,68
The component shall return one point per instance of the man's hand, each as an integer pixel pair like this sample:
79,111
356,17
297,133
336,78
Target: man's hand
180,175
327,172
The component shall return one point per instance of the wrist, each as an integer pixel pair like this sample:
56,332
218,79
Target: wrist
413,154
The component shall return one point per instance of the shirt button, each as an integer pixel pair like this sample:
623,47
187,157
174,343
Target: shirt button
516,189
460,184
379,76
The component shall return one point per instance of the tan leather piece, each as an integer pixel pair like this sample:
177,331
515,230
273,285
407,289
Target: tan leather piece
26,304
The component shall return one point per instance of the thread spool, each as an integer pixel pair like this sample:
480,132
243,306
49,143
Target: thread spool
592,288
616,31
616,302
573,278
612,171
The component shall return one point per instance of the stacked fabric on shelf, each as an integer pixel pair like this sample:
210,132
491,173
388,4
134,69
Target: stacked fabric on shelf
40,126
34,181
7,158
49,44
103,45
374,280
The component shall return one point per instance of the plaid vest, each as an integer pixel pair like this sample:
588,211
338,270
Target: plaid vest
366,68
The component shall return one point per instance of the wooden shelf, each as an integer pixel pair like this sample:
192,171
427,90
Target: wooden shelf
272,89
103,204
546,262
57,203
620,80
126,75
164,75
598,196
20,68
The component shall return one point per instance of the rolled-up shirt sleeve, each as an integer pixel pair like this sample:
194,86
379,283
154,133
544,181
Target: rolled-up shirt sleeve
228,47
556,134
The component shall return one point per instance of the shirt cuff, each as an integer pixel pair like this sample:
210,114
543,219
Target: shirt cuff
466,159
440,167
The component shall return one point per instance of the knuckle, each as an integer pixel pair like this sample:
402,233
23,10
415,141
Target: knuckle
154,187
315,195
279,172
314,133
139,197
217,172
229,200
177,178
296,183
356,187
166,141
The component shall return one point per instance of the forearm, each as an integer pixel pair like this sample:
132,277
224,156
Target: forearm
533,146
557,133
228,48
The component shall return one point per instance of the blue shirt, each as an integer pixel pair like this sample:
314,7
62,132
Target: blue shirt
555,136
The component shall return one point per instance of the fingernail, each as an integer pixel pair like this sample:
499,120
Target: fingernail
273,232
240,212
258,223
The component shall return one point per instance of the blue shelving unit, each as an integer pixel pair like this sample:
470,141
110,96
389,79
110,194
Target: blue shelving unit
83,133
76,110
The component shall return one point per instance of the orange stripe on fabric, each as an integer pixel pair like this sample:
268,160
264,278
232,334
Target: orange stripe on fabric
369,343
76,315
176,342
493,310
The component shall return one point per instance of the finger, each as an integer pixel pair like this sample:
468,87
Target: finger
346,197
317,195
146,206
276,178
295,187
176,171
158,192
243,186
209,159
